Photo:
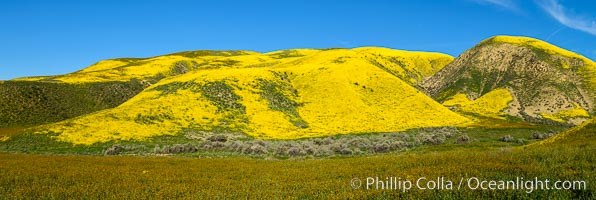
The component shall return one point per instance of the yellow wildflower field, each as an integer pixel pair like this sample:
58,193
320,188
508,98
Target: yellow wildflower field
307,93
491,104
561,116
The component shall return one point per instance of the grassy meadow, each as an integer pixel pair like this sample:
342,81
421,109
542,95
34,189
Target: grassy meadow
65,176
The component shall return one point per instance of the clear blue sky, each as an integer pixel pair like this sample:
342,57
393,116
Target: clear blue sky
57,37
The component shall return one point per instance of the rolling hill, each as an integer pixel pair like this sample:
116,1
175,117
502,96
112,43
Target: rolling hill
301,93
582,135
518,78
286,94
30,101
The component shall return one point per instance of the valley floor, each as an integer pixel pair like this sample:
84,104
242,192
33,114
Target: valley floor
133,177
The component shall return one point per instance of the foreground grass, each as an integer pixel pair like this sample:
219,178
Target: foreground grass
67,177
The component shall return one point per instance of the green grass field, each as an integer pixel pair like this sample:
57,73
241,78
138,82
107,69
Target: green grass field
26,176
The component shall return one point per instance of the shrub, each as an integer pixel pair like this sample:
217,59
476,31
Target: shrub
337,147
357,152
156,149
295,151
521,141
325,141
261,142
209,145
180,67
433,139
360,143
258,149
117,149
449,131
346,151
409,144
218,138
381,147
283,149
463,139
114,150
245,149
309,149
539,136
396,145
506,138
235,146
323,151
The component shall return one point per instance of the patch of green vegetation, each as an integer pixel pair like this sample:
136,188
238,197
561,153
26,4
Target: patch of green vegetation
263,64
218,93
541,53
131,63
381,66
29,103
128,59
152,119
399,62
229,62
333,48
222,96
201,53
156,78
224,142
477,82
280,95
195,54
482,82
286,54
28,142
173,87
452,89
181,67
341,60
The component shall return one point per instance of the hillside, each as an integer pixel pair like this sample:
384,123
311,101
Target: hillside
106,84
148,70
29,103
290,94
582,135
518,78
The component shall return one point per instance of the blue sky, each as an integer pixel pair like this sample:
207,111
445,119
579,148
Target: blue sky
57,37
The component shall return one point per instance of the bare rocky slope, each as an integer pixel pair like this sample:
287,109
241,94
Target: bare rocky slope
547,84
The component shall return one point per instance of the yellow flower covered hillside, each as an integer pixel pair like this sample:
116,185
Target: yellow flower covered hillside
279,95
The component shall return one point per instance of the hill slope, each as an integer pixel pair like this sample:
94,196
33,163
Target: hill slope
525,78
318,93
32,101
29,103
581,135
